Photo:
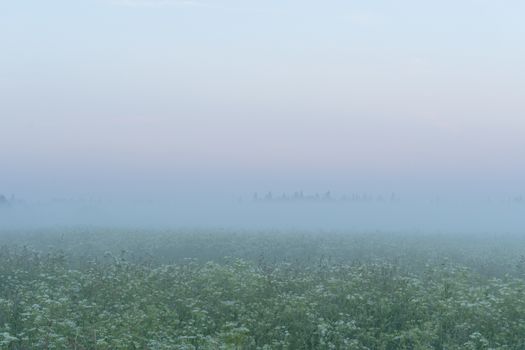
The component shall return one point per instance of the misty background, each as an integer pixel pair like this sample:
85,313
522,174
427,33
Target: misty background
173,113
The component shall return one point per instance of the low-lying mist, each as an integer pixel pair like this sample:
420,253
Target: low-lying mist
374,214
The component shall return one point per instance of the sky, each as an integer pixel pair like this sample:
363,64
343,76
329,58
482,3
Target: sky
150,98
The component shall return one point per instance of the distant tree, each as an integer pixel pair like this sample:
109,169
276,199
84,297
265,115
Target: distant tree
3,200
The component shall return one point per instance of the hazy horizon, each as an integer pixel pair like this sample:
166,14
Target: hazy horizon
150,100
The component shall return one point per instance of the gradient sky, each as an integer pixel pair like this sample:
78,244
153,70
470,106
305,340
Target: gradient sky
102,97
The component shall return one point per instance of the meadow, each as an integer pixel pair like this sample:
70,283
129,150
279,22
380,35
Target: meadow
94,288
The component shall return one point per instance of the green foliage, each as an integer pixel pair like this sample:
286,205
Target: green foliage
124,290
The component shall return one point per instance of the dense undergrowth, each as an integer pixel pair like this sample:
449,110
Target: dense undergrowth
218,290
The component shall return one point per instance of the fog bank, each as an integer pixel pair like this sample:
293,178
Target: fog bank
375,214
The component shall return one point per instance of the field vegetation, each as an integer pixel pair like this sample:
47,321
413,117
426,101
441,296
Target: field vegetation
189,289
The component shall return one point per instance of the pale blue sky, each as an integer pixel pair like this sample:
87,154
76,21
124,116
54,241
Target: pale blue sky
105,96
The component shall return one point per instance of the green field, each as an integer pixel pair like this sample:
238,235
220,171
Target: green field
191,289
